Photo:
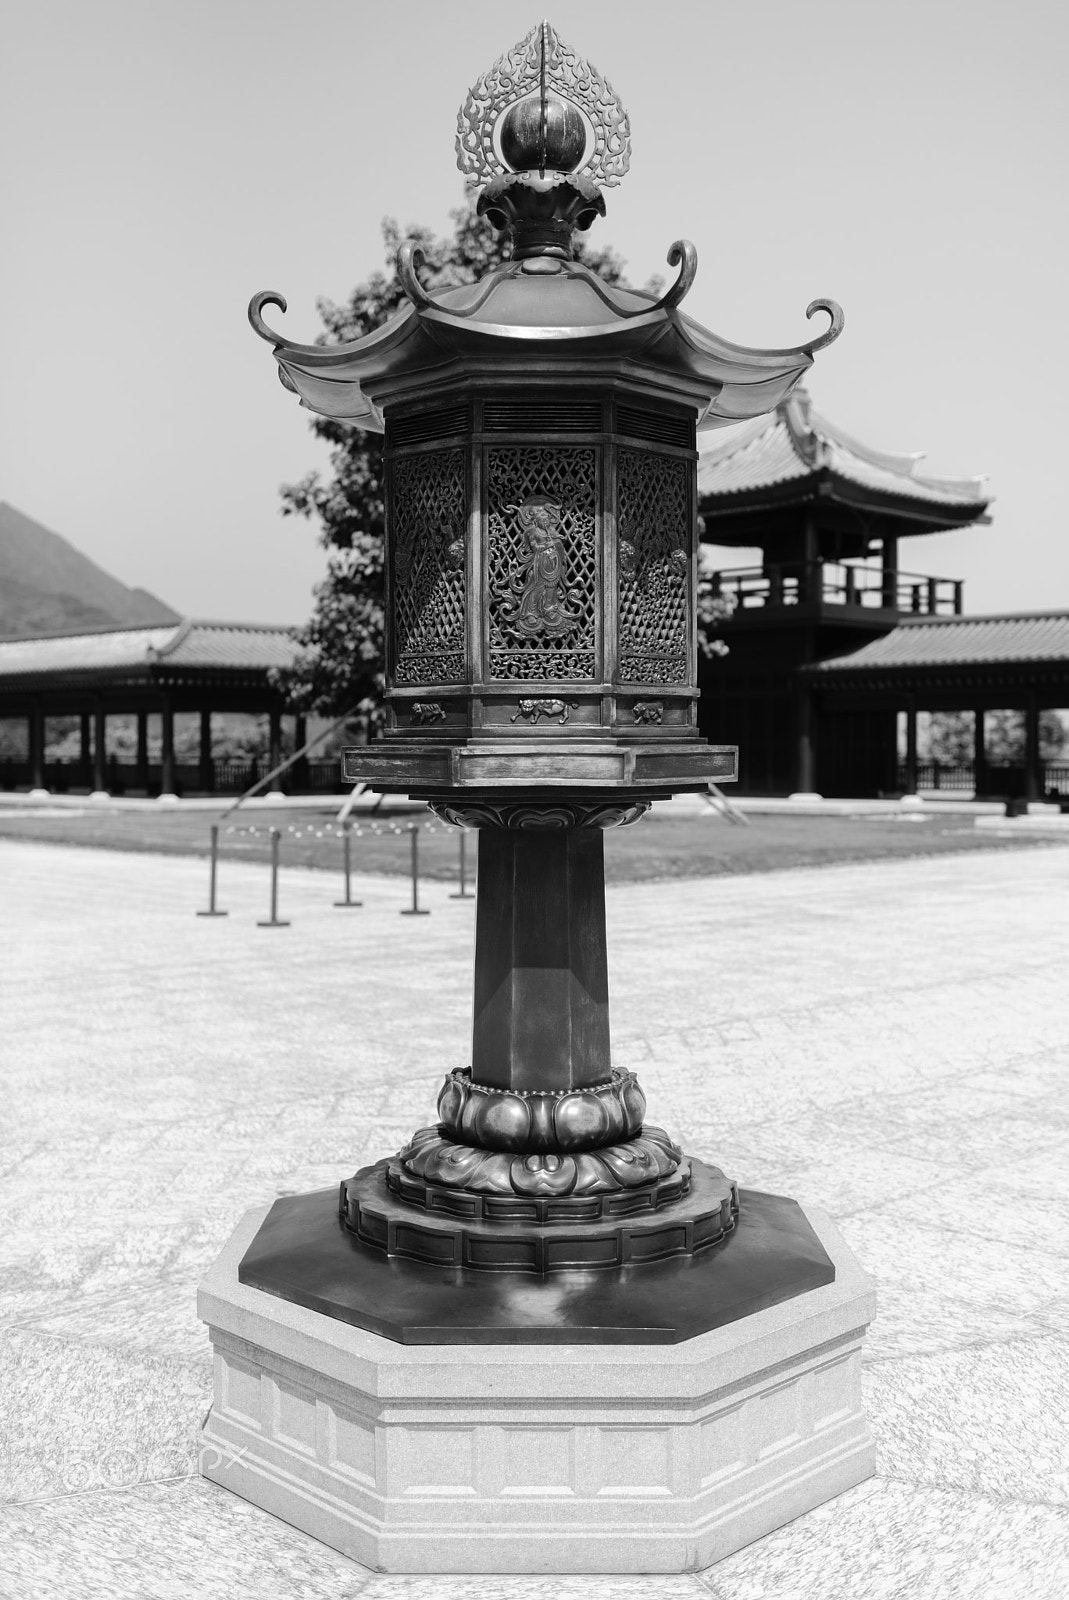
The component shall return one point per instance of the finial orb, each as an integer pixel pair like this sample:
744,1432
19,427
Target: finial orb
543,134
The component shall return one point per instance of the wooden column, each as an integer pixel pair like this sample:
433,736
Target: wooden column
911,746
1033,779
889,561
100,746
275,746
142,750
86,755
36,740
167,776
541,974
979,757
207,770
805,779
812,584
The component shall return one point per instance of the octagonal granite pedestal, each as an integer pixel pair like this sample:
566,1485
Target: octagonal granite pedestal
517,1457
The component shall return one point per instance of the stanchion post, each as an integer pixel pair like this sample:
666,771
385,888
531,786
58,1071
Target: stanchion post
347,859
414,909
462,892
213,910
273,921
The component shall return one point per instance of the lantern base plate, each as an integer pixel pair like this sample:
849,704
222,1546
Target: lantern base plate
575,1456
304,1253
413,766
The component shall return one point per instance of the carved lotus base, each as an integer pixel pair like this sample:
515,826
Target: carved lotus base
382,1213
628,1165
530,1122
515,1207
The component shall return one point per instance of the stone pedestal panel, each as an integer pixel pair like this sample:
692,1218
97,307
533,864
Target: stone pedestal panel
621,1458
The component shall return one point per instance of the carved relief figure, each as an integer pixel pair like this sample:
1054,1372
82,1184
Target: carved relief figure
539,607
532,710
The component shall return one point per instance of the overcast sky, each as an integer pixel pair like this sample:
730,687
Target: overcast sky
164,160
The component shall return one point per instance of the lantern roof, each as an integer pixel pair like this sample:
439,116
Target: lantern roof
541,131
565,322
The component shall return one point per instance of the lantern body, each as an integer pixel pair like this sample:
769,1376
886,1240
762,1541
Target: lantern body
540,593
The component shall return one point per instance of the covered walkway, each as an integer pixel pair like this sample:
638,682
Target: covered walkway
157,673
972,664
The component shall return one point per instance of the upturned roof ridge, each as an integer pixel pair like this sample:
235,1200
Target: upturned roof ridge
813,441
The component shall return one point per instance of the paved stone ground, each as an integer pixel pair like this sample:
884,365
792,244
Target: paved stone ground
888,1040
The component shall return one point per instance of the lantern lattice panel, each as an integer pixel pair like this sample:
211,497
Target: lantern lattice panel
653,521
542,563
428,510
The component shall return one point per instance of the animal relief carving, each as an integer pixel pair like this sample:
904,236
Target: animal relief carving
533,710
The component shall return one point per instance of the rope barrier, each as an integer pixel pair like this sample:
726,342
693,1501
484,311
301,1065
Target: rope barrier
345,831
330,830
213,910
462,892
274,921
414,910
347,859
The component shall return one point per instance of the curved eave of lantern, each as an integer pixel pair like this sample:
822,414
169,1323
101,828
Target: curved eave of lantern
622,332
329,379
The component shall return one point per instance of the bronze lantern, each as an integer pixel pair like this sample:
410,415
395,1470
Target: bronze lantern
541,684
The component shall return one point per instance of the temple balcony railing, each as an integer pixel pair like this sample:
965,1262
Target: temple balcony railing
837,583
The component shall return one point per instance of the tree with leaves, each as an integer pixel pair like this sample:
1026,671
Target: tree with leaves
340,667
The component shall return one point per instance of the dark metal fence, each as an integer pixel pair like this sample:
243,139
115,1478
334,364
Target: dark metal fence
940,775
1004,778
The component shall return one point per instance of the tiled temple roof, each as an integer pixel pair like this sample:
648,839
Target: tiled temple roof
953,641
210,645
795,442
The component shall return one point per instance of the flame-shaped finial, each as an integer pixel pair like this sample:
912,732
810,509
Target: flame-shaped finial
543,108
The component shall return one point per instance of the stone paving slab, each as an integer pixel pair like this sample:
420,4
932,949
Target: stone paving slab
889,1041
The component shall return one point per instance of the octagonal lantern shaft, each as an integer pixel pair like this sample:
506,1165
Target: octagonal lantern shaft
541,1013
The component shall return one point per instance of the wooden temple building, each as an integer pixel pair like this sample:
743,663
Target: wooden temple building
831,641
201,667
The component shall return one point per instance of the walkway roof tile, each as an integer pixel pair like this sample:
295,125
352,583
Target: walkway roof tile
251,646
946,641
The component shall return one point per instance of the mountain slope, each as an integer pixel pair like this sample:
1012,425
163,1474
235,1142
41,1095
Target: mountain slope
47,586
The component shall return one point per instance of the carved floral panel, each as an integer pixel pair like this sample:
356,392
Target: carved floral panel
653,557
428,513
